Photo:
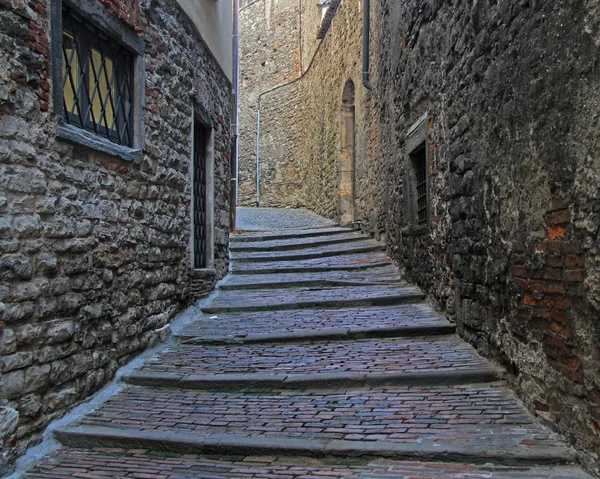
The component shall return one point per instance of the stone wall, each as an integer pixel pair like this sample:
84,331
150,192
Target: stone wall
94,250
270,55
511,249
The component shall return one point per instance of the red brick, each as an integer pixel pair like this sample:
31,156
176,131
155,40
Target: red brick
574,275
552,273
574,261
574,375
556,232
556,343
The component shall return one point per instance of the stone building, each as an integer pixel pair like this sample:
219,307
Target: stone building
114,189
475,156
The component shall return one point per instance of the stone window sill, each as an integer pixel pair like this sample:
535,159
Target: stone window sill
203,272
418,230
90,140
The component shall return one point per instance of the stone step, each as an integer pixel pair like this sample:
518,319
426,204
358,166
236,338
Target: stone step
313,381
302,298
296,233
99,462
308,283
364,321
368,246
331,334
344,262
298,243
383,274
317,364
442,423
323,303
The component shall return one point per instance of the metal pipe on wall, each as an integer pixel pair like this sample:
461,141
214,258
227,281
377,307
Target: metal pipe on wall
234,120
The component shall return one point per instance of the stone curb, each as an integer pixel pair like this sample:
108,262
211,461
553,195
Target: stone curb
321,304
306,283
313,269
326,334
318,381
190,443
295,246
302,256
282,236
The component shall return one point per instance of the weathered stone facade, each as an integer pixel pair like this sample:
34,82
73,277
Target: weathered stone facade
95,251
510,251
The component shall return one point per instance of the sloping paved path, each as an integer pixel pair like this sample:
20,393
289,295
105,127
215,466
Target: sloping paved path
314,360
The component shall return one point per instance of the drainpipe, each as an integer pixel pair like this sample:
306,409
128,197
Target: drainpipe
258,153
366,33
233,196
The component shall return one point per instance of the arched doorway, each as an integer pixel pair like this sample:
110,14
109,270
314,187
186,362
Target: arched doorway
347,155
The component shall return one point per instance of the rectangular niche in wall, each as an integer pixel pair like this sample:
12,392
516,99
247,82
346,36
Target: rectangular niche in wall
202,191
416,192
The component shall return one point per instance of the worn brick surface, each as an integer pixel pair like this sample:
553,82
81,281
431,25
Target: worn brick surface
376,274
274,322
273,297
366,356
352,260
469,415
139,464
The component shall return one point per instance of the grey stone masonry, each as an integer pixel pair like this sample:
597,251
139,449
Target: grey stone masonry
94,248
322,390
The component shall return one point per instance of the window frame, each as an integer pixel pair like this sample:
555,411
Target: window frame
416,144
121,33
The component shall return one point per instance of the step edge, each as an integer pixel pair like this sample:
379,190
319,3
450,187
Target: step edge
102,436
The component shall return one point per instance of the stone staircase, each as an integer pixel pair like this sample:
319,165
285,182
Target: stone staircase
314,360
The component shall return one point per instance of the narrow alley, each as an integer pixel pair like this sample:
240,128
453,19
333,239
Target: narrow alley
314,359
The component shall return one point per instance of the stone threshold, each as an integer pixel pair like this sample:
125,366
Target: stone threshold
229,444
313,269
320,304
325,334
303,256
316,381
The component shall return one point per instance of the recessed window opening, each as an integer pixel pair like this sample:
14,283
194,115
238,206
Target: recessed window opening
419,163
96,80
200,206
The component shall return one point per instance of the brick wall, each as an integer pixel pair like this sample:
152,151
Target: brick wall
94,250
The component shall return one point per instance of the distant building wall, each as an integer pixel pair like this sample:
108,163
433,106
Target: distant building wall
503,94
95,242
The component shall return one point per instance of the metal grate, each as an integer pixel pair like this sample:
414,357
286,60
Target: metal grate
97,80
420,166
199,206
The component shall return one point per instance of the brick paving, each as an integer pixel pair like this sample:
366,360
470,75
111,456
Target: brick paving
240,325
290,319
293,244
385,355
274,297
103,462
372,275
464,415
326,250
342,261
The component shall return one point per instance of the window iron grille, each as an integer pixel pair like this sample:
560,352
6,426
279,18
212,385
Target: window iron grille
199,206
97,80
420,169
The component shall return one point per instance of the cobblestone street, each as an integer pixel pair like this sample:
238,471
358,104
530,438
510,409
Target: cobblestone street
313,360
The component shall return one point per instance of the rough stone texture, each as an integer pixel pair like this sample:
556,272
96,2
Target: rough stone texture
94,251
511,251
